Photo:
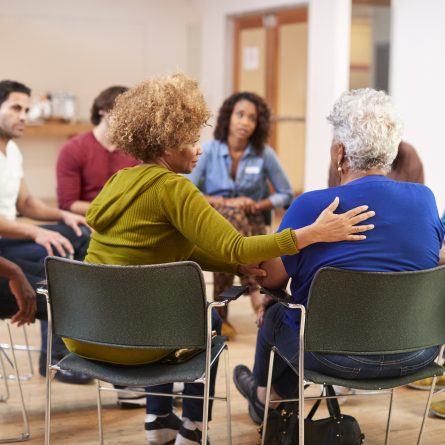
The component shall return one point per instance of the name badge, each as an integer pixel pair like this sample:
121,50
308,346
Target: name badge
252,170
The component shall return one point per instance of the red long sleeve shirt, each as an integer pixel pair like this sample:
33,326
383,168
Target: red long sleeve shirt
83,168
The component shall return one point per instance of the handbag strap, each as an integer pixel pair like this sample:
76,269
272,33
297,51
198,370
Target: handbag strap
313,409
333,405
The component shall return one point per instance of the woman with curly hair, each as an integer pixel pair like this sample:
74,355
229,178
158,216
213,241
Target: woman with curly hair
235,173
151,214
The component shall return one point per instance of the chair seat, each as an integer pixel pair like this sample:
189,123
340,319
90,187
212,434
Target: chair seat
374,384
143,375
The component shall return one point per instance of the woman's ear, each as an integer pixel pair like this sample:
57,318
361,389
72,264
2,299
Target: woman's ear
340,156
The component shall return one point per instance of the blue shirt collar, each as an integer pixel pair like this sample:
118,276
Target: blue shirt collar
369,178
224,150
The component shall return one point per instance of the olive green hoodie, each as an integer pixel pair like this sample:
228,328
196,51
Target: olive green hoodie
150,215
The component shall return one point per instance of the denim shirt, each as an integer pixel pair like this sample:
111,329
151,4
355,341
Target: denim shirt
212,174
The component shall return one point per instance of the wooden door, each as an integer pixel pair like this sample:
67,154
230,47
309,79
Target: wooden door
270,59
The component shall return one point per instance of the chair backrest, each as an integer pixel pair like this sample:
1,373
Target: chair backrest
353,312
150,306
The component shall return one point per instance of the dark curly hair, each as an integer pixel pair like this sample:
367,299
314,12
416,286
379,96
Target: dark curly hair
104,102
262,129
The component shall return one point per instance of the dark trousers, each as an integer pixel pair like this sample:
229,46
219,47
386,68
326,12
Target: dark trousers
34,272
30,257
27,250
191,408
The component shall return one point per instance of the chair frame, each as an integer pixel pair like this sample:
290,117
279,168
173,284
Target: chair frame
229,295
283,298
25,434
28,349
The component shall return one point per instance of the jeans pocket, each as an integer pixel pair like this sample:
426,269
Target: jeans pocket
336,366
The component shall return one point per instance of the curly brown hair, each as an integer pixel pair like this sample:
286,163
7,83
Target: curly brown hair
159,113
262,129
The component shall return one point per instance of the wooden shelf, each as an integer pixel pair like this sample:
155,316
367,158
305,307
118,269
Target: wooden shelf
57,129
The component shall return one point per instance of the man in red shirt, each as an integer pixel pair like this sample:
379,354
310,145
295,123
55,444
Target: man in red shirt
87,161
84,165
407,167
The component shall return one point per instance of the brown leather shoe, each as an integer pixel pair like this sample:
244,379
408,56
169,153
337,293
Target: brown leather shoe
227,330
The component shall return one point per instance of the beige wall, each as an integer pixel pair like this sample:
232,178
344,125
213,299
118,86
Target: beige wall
85,46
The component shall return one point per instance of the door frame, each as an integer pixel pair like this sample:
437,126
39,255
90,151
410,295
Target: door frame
270,20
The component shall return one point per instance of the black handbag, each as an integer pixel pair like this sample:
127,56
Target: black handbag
338,429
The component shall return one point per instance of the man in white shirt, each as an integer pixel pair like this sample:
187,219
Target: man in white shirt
14,194
20,241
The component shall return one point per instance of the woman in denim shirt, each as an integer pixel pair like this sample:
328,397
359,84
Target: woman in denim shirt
235,172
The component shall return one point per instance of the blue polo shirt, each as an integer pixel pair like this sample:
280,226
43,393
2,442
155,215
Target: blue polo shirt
408,232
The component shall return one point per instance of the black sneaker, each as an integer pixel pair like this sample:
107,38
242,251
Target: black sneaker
163,430
189,437
246,385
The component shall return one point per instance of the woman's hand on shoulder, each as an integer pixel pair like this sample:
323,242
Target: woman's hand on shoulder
332,227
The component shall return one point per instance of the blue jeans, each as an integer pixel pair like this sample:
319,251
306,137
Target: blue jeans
191,408
25,249
275,332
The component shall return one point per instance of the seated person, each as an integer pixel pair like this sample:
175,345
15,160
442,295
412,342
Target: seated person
234,174
437,408
86,161
19,302
20,241
17,297
84,165
408,235
151,214
406,167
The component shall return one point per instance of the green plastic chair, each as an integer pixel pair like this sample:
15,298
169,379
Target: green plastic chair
149,306
367,313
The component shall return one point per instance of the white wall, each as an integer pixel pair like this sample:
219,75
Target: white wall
328,76
85,46
417,78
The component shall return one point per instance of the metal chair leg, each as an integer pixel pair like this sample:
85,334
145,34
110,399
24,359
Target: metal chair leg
268,388
99,413
50,373
388,425
27,348
205,418
25,435
3,376
28,351
427,408
228,400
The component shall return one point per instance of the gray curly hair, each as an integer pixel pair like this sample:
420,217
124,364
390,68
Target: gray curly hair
367,124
